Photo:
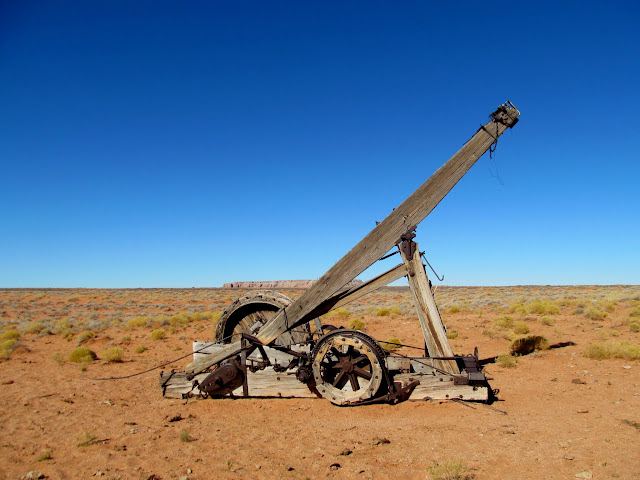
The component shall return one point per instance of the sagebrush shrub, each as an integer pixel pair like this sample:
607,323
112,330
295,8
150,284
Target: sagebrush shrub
503,323
158,334
82,355
390,344
112,354
506,360
356,324
521,328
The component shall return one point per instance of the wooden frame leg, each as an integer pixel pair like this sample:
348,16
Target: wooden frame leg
435,336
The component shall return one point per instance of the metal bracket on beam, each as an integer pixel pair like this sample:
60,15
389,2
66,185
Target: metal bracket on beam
407,245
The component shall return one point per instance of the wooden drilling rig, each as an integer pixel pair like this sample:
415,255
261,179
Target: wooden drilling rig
265,347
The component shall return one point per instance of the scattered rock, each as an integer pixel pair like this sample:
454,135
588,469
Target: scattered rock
631,423
189,471
567,457
578,381
290,469
627,367
120,448
583,411
153,476
334,466
565,444
34,475
176,418
380,440
346,452
584,474
7,382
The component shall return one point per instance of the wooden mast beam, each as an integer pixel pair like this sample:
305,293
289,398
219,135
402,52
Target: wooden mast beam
384,236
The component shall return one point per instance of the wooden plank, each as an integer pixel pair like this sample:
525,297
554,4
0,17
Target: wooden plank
381,239
441,387
268,383
176,384
262,383
433,330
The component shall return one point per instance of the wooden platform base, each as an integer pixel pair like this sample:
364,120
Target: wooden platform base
268,382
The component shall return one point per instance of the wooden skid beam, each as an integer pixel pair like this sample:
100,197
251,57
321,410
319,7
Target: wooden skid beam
384,236
268,383
432,327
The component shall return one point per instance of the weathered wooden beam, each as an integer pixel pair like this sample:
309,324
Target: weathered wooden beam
433,330
386,234
341,299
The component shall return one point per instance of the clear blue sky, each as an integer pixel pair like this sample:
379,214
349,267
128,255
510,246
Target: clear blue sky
179,144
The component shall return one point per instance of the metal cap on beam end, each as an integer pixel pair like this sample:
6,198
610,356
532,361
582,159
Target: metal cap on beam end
507,114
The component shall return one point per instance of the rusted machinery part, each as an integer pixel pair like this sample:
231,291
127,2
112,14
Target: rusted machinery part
224,380
348,367
249,313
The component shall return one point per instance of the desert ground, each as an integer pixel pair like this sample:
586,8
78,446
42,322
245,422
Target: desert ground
567,412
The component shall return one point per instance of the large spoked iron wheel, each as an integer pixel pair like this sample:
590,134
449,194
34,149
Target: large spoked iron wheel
248,314
348,367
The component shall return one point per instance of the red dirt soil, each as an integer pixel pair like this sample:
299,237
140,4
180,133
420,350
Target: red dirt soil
559,413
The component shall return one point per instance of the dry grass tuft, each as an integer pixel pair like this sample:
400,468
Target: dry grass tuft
506,360
545,320
82,355
112,354
611,349
503,323
7,347
390,344
86,439
451,334
356,324
9,335
158,334
521,328
450,470
340,312
596,314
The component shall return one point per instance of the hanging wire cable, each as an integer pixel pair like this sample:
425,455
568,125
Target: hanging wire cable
434,272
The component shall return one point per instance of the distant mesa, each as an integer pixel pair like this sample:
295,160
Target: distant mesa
282,284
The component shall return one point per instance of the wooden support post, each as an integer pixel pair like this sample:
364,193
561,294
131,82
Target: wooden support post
433,330
243,363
